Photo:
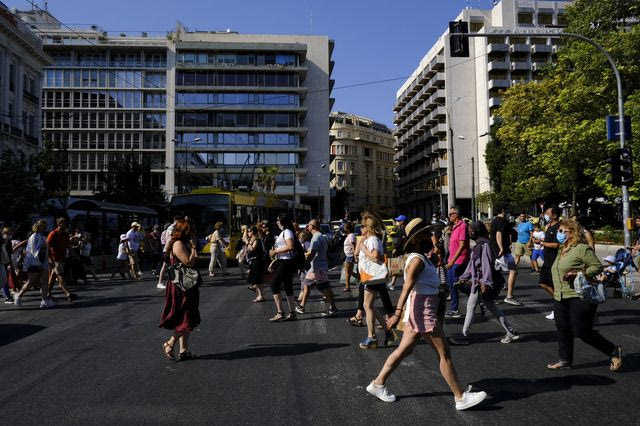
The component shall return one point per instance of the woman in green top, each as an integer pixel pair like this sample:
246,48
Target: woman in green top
573,316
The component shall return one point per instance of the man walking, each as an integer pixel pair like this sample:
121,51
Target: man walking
458,257
501,244
134,245
550,250
318,274
525,238
401,235
59,242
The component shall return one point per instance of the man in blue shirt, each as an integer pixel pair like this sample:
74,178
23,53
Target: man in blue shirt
525,235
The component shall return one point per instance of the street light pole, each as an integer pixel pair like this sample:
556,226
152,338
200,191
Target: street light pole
473,173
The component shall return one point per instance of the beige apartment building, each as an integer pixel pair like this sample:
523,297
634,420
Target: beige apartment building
361,165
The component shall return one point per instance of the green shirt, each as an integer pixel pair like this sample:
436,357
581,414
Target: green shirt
579,257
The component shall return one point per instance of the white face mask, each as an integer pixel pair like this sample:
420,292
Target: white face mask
547,218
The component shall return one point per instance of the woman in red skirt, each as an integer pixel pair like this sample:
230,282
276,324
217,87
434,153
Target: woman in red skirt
180,312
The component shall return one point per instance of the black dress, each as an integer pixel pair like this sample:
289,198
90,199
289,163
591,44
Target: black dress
256,264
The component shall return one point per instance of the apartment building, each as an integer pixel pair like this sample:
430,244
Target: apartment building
361,165
201,108
21,62
449,103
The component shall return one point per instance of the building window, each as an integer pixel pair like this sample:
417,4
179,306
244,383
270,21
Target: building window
340,166
339,133
562,20
366,152
545,19
474,27
525,18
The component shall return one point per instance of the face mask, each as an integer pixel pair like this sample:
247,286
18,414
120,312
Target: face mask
561,238
547,218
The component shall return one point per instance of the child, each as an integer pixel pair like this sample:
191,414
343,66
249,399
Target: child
538,238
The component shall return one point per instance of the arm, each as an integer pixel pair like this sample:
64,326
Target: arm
457,254
486,278
530,243
499,242
592,265
590,240
180,251
373,255
550,245
288,247
413,271
20,245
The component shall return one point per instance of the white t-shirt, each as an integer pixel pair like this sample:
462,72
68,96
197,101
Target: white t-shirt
349,244
287,234
122,253
539,235
134,240
428,281
371,243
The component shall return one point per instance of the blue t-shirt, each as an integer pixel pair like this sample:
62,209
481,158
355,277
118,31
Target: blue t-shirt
320,246
524,232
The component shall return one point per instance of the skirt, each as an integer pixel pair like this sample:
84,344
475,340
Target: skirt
423,313
256,271
180,312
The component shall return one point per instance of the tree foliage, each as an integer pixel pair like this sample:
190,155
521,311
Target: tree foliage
128,181
551,143
19,187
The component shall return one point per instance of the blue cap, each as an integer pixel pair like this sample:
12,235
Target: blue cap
401,218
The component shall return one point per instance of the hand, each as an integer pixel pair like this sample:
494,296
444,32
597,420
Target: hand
483,288
393,253
272,253
500,254
393,321
449,265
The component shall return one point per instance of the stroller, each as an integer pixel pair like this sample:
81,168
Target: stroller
619,275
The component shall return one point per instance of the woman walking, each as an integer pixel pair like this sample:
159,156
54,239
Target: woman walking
36,264
283,269
217,251
349,258
180,312
85,257
420,298
480,274
122,259
573,316
255,255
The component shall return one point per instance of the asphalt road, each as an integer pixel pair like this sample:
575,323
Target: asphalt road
99,361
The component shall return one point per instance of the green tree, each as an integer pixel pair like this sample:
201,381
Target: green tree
20,188
54,171
128,181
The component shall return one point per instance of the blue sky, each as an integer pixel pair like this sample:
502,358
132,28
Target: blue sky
375,39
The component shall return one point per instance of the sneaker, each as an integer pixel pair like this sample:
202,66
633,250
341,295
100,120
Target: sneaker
161,286
483,309
381,392
17,301
300,309
47,304
470,399
459,341
512,301
330,312
391,287
9,301
534,273
550,316
510,338
453,314
369,343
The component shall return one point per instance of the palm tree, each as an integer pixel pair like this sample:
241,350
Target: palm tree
266,180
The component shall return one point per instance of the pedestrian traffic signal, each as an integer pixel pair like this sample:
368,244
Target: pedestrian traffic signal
458,45
620,168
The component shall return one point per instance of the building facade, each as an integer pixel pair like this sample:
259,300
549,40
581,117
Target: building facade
448,105
200,108
21,62
361,165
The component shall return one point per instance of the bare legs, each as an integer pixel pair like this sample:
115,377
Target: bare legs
511,282
372,314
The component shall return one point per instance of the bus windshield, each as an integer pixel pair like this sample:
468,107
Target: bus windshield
204,211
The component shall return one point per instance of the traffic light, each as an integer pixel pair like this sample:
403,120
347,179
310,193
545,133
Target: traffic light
620,167
459,46
626,167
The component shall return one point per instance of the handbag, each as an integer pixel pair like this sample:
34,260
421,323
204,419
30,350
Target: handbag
185,277
593,294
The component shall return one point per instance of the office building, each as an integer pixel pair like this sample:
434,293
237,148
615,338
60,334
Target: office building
21,61
361,165
200,108
453,100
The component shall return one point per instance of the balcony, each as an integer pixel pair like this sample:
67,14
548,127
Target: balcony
498,65
497,48
520,66
541,49
539,66
498,84
520,48
442,164
519,81
439,128
495,101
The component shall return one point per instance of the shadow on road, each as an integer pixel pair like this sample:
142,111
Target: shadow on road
509,389
13,332
259,351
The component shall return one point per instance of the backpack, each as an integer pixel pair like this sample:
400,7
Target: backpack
298,255
496,276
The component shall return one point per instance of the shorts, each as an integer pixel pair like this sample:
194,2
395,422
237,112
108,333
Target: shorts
545,277
58,267
522,249
319,278
506,263
423,313
349,259
537,254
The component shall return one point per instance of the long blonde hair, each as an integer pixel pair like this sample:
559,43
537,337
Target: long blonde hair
573,229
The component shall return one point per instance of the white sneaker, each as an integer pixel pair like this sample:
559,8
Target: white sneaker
550,316
161,286
17,300
47,304
381,392
470,399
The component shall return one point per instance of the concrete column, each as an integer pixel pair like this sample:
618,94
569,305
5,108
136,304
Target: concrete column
170,160
19,94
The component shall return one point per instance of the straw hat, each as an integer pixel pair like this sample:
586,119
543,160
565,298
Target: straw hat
123,237
414,228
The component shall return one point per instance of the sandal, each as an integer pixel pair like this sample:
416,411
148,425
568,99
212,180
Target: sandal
185,356
278,317
559,365
290,317
355,321
251,287
345,290
616,359
258,299
168,351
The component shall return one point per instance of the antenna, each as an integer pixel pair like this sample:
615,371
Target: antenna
46,5
311,20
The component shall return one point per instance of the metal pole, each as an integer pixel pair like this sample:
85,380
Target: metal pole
473,189
294,194
451,171
626,207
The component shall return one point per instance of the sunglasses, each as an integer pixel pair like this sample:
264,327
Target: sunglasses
562,231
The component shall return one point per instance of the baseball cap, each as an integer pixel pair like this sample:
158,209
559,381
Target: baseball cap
135,224
401,217
610,259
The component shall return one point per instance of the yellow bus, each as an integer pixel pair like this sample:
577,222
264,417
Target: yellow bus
206,206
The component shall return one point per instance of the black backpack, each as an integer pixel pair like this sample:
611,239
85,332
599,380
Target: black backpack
298,255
